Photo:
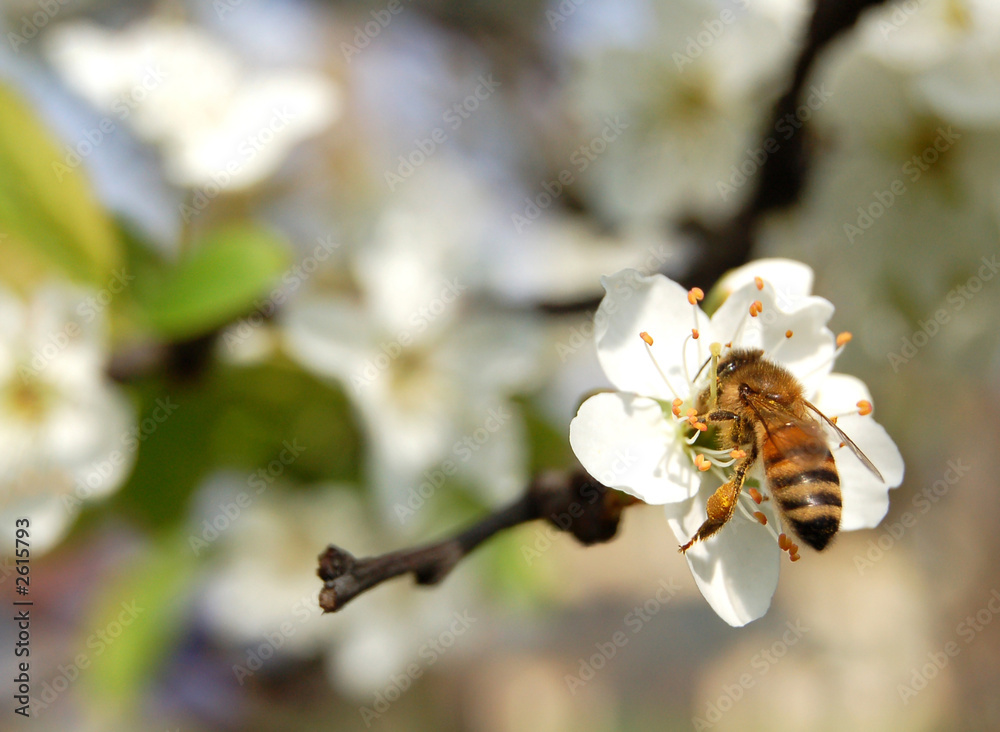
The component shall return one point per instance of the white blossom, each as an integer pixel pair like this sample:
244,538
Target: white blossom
64,427
638,439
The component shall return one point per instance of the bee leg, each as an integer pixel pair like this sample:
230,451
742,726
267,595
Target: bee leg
722,505
722,415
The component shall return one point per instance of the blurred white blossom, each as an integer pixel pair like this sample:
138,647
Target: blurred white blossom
429,365
64,427
262,578
216,121
692,80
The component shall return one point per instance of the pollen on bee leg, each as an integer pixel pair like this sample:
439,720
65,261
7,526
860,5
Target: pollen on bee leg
759,282
761,518
864,407
843,339
755,495
695,295
647,338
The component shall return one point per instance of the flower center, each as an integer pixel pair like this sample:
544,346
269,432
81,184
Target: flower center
27,400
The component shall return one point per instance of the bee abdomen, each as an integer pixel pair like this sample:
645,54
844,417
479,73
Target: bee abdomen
810,501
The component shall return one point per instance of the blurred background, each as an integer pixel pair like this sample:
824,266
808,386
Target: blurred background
279,274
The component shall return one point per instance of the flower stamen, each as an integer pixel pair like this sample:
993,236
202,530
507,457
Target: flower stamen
644,335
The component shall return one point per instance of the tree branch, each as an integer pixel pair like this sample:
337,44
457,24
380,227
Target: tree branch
571,501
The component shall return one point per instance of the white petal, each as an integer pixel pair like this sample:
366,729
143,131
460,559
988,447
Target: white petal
50,521
865,497
329,336
808,353
737,569
656,305
791,280
625,442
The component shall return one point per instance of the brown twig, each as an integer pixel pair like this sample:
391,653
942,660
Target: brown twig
571,501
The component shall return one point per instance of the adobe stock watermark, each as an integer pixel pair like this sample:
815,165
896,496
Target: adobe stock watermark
365,33
122,107
921,676
956,299
90,482
760,664
558,15
461,452
229,511
292,279
633,622
784,130
452,119
583,335
913,170
97,644
429,654
922,503
546,534
246,151
420,320
32,24
223,8
87,311
301,612
901,12
579,160
710,32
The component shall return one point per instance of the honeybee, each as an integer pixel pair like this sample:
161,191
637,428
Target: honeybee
759,408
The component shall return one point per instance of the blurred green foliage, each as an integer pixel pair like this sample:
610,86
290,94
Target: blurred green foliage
48,217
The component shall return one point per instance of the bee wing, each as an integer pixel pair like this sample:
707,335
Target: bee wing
847,441
775,417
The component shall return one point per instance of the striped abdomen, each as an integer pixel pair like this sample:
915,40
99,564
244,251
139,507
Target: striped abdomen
804,482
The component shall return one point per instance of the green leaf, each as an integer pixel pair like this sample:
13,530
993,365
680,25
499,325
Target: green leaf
48,216
136,622
235,418
220,279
